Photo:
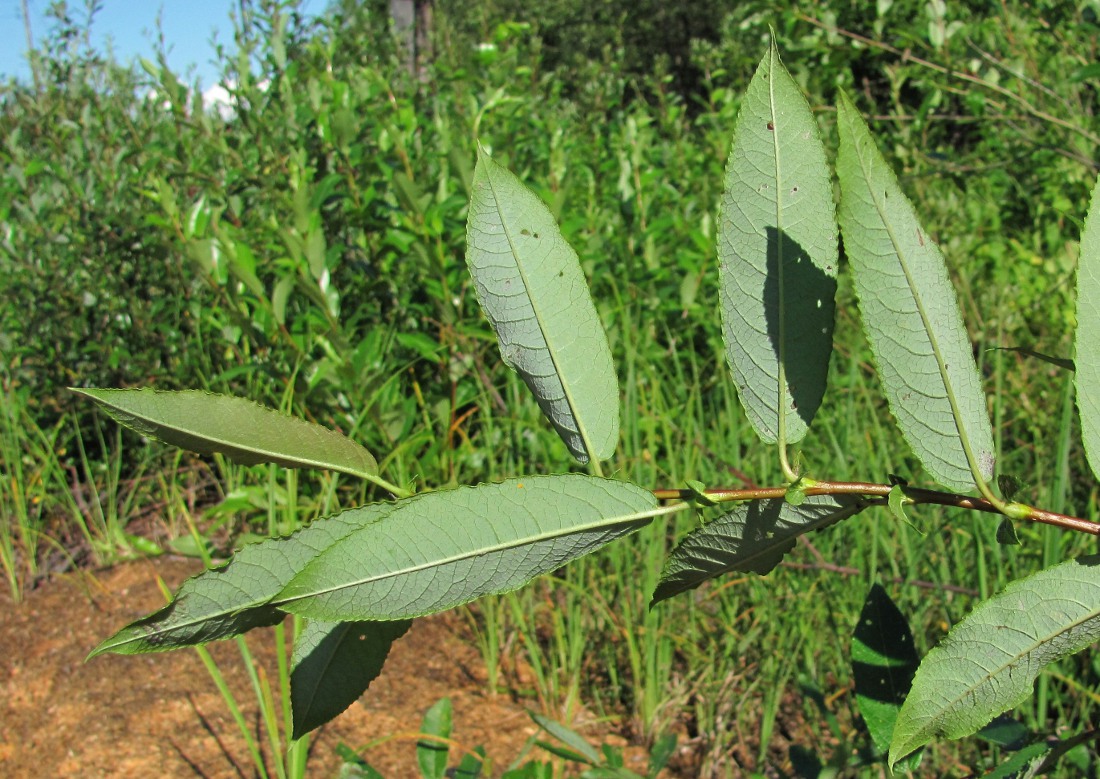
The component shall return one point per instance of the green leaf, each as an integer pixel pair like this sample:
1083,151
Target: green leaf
1005,732
243,431
1006,533
911,315
233,599
699,495
442,549
777,256
895,500
531,287
753,537
659,754
1009,486
1024,764
353,766
989,661
585,752
884,660
471,765
1060,362
431,753
1087,339
333,664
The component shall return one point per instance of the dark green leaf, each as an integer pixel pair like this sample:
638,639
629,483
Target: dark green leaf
884,660
333,665
753,537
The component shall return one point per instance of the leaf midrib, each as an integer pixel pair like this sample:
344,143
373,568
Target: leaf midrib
224,446
551,348
941,366
781,385
985,678
481,551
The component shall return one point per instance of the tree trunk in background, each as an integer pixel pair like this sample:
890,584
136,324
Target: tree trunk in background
412,21
32,58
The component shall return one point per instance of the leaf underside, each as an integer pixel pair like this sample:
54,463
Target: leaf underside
911,314
243,431
777,256
531,287
1087,337
394,561
752,538
442,549
989,661
234,598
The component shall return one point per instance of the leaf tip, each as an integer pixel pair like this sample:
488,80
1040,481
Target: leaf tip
105,647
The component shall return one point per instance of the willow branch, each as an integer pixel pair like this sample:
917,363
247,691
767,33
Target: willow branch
914,495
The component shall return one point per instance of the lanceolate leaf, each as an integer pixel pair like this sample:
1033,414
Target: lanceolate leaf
884,660
333,664
443,549
989,661
243,431
777,252
233,599
530,285
432,753
753,537
911,314
1087,356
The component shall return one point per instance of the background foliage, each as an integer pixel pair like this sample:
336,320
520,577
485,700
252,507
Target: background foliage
304,250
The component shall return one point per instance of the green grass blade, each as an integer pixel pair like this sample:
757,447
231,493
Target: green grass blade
989,662
1087,339
532,289
443,549
232,599
243,431
777,253
334,664
753,537
911,315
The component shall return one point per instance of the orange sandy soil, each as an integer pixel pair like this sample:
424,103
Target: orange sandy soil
160,715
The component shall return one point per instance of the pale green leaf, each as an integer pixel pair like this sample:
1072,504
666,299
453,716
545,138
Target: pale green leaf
531,287
989,661
333,664
243,431
777,252
1087,340
911,315
232,599
753,537
442,549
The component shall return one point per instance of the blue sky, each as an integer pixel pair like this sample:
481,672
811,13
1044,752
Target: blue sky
131,27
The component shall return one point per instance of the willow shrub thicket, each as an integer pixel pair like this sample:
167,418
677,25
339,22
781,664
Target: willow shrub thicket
360,576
